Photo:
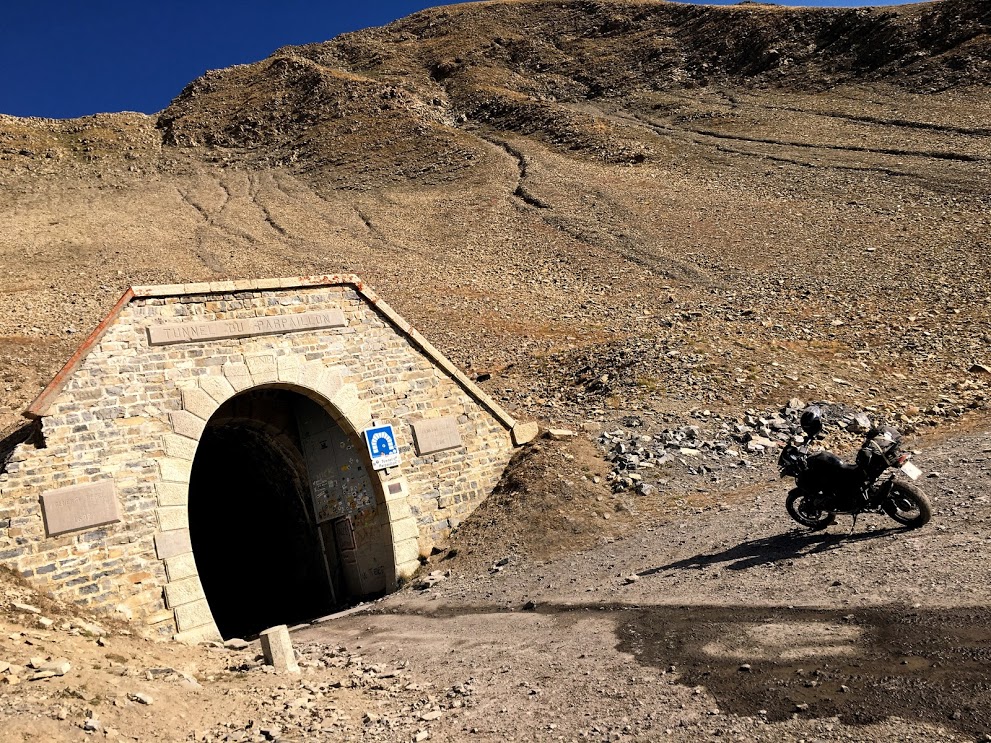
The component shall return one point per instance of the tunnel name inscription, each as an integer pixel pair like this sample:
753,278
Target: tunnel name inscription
159,335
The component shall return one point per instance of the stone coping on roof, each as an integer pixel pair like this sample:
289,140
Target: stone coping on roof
39,407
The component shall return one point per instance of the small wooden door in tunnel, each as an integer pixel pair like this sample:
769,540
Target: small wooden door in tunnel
353,526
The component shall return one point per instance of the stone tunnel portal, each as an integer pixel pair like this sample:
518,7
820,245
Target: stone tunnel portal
284,519
203,453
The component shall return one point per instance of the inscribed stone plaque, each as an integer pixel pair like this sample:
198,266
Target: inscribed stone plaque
79,507
184,332
436,434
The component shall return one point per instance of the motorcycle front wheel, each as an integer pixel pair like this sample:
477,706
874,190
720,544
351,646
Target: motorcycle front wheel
802,507
907,505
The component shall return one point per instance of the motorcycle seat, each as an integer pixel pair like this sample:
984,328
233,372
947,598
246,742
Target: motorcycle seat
828,460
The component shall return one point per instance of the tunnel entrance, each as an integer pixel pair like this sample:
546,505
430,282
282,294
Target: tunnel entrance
271,544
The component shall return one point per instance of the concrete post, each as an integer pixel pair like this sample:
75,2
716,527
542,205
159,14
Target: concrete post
277,648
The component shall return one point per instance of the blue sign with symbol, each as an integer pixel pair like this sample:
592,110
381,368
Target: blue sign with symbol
382,447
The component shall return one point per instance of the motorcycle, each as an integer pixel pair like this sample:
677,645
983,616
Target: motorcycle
881,480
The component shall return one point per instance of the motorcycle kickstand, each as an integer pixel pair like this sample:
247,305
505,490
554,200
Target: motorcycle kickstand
853,526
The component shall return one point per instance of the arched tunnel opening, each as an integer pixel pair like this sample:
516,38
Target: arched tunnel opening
277,499
258,554
252,525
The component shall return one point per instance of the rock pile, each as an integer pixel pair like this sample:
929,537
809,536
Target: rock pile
712,441
41,667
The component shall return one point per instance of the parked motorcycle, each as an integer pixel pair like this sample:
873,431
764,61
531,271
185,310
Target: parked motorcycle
881,480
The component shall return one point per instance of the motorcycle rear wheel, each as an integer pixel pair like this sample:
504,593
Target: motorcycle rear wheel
801,507
907,505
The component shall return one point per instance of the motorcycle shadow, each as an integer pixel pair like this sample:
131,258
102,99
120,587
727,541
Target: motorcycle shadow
791,545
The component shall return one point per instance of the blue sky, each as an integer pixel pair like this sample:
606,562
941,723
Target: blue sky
67,58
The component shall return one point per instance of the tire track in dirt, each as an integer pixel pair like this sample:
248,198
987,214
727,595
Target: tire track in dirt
686,135
205,256
254,190
930,154
880,121
592,234
701,134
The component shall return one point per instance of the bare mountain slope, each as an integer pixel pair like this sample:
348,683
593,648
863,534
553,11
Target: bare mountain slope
709,207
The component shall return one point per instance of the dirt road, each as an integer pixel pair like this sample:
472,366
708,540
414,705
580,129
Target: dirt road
727,623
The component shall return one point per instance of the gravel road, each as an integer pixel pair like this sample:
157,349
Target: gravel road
724,621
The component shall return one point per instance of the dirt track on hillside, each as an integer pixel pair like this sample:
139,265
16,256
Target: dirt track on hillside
716,207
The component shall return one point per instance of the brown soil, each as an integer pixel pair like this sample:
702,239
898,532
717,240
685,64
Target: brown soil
551,500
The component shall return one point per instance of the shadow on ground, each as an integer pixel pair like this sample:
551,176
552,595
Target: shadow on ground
756,552
860,666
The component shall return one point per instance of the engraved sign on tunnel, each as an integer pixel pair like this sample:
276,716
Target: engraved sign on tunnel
207,331
79,506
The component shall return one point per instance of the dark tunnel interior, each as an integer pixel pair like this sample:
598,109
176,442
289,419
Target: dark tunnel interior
254,540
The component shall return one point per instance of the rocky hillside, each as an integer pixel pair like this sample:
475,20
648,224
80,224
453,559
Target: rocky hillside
597,207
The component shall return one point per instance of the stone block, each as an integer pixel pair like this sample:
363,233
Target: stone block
289,369
79,507
262,368
174,470
398,509
172,518
186,424
406,551
192,615
192,332
321,379
172,493
180,447
217,387
277,649
203,633
238,375
184,591
182,566
158,290
524,433
436,434
352,407
172,543
404,529
198,402
159,617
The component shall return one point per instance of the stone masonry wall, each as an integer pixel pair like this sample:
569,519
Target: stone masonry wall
128,414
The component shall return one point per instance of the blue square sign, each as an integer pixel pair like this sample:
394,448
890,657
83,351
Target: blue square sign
382,447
